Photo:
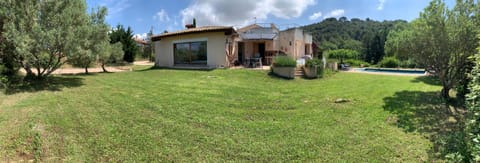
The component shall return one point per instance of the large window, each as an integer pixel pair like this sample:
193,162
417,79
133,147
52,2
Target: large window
190,53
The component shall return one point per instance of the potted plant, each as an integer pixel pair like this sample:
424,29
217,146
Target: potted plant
313,68
284,66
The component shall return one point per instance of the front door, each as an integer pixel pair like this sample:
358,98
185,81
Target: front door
261,50
241,52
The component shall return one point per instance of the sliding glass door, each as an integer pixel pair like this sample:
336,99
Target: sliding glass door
190,53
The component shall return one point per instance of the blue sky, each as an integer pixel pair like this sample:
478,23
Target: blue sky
171,15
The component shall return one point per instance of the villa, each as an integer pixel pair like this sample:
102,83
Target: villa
223,46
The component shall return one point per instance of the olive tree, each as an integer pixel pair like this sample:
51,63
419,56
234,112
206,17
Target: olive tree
44,33
93,43
444,40
110,53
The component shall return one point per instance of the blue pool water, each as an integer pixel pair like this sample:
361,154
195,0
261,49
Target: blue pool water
397,71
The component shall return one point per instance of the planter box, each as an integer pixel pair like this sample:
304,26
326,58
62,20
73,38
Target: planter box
333,66
311,72
286,72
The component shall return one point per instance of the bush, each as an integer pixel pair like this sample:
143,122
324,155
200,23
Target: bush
313,63
318,63
473,105
3,78
2,69
410,63
356,63
284,61
389,62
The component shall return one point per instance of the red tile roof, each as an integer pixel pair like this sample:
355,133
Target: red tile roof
140,41
195,30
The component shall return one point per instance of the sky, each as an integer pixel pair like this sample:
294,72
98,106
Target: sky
172,15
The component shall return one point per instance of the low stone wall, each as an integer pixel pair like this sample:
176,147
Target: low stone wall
286,72
333,66
310,72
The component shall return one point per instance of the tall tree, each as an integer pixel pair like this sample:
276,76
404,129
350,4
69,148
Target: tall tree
399,42
43,32
444,40
151,45
7,64
110,53
94,40
124,36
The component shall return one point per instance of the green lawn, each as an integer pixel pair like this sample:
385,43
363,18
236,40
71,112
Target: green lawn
238,115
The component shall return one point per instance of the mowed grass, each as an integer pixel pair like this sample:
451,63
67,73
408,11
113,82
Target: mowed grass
220,115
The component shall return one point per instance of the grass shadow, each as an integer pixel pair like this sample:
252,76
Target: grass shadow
427,113
83,74
177,68
430,80
146,69
275,76
53,83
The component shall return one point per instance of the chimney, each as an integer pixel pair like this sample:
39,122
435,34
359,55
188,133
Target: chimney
194,25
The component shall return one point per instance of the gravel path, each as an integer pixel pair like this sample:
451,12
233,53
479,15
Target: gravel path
143,63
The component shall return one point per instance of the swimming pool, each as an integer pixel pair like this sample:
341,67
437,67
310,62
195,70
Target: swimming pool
392,71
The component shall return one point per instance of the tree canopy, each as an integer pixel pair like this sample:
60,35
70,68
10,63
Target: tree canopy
44,34
443,39
124,36
94,41
399,42
364,36
342,54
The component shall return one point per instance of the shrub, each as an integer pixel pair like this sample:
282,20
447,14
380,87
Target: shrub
2,68
3,78
313,63
473,105
389,62
318,63
284,61
410,63
356,63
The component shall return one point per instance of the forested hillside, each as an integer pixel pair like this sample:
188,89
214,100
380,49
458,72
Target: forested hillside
365,36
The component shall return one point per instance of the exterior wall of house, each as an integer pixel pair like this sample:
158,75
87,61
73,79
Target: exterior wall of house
287,42
308,38
251,47
269,45
216,56
294,42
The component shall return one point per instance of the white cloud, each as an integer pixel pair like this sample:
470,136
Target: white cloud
315,16
242,12
335,13
161,16
115,7
381,3
140,36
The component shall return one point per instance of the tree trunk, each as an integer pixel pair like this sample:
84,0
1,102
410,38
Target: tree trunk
86,70
103,67
30,75
445,92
